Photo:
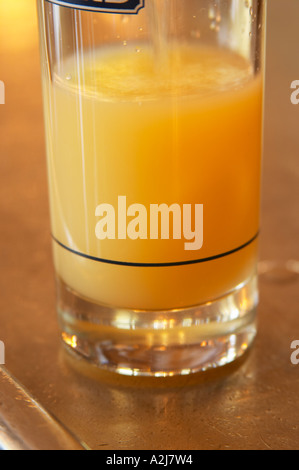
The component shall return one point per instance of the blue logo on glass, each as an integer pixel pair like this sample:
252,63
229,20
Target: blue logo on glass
106,6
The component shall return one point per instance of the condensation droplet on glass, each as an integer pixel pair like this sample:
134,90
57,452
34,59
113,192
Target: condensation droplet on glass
68,77
195,33
211,13
213,25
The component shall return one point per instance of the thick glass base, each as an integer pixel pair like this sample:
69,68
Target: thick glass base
160,343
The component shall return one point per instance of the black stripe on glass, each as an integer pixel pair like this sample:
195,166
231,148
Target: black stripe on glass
157,265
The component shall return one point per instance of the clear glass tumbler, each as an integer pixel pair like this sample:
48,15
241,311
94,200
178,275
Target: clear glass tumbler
153,117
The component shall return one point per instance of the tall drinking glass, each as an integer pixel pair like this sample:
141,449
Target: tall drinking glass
153,117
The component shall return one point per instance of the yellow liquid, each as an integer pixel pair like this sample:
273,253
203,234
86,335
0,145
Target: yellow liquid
185,133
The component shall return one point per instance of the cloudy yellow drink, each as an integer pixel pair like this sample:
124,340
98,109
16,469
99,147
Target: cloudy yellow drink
132,135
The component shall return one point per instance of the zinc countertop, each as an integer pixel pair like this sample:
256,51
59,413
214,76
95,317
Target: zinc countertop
48,400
